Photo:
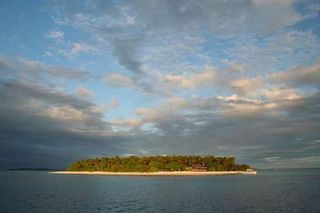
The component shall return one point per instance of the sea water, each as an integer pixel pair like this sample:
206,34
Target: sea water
268,191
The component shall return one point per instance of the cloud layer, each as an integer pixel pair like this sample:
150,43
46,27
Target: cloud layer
150,77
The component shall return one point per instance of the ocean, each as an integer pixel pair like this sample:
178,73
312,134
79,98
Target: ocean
292,190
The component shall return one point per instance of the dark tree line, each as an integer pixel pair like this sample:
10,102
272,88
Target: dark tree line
156,163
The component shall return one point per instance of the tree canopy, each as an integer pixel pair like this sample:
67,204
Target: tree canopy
156,163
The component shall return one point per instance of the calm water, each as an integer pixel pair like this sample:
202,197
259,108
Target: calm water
269,191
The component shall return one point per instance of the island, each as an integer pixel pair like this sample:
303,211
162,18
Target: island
158,166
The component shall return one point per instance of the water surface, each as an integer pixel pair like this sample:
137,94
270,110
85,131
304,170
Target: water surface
269,191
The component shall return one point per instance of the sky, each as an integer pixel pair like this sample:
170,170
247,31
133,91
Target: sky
86,79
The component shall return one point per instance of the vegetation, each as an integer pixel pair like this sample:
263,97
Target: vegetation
156,163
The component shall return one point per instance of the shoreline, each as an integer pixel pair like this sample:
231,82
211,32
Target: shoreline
163,173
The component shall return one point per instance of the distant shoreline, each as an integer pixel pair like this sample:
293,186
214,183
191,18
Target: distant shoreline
164,173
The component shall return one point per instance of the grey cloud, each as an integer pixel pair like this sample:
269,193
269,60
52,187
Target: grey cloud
218,16
287,131
302,76
23,68
32,136
18,91
125,50
138,83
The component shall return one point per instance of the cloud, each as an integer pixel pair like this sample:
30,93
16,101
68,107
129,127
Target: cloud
240,106
78,48
57,35
125,50
159,84
110,105
22,68
65,113
84,92
245,86
125,124
47,126
168,108
272,159
292,162
234,67
276,94
113,103
187,82
131,28
302,76
270,132
260,102
241,16
118,80
141,85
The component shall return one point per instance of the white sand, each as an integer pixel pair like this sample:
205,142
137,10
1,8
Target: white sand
176,173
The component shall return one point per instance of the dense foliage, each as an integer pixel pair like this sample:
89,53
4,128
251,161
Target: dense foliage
156,163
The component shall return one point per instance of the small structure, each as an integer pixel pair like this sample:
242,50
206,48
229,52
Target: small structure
199,168
251,171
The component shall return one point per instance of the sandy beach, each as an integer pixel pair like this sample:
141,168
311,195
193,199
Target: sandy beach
176,173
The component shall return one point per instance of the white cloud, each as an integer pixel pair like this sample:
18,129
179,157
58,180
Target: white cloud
234,106
276,94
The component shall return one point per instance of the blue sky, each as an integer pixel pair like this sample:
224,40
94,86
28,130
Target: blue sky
90,78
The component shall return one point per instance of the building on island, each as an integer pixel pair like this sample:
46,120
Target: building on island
251,171
199,168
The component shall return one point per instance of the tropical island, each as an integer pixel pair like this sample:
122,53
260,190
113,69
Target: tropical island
159,165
